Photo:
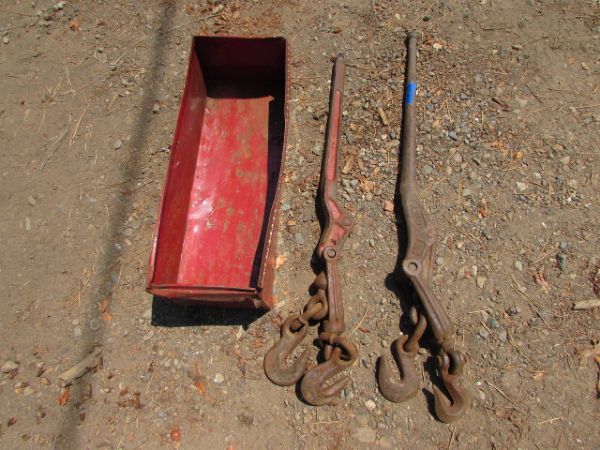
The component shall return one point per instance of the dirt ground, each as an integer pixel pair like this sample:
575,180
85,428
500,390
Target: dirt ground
509,168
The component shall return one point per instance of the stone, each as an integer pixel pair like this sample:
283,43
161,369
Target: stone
518,265
481,282
117,144
388,206
9,366
365,435
299,239
521,187
452,135
219,378
370,405
561,258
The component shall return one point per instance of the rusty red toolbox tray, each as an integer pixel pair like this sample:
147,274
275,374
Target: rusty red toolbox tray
215,235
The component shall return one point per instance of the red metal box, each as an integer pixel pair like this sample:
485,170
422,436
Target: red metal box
215,235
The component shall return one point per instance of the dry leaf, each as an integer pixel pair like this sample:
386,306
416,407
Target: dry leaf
200,387
280,261
541,281
63,398
74,24
176,435
103,305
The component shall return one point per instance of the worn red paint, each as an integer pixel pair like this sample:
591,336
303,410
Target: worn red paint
214,241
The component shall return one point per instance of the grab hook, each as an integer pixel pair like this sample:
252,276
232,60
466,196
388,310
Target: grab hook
275,364
450,368
314,387
404,350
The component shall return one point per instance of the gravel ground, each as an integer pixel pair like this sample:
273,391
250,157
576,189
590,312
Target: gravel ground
508,134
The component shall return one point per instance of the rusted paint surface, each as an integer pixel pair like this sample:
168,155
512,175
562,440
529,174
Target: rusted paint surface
214,239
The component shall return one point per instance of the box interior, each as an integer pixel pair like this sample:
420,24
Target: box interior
225,165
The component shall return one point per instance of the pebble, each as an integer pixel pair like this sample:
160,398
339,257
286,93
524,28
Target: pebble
452,135
427,170
155,108
518,265
439,261
521,187
31,200
481,282
365,435
285,206
388,206
5,40
561,258
492,323
503,336
370,405
483,333
117,144
513,310
77,332
299,239
219,378
94,324
9,366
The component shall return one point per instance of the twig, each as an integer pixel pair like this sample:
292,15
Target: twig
451,438
77,126
361,320
587,106
550,420
82,367
56,144
586,304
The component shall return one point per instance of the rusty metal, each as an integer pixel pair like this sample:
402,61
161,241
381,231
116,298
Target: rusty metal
339,352
404,351
316,387
417,266
293,331
450,364
216,232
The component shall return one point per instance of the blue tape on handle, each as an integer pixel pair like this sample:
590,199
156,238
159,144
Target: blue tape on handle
411,91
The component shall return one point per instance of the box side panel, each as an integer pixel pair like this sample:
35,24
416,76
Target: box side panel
180,176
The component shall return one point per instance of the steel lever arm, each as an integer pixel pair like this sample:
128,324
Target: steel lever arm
418,261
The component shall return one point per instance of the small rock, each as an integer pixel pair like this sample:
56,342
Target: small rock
285,206
9,366
117,144
561,258
466,192
388,206
492,323
427,170
94,324
565,160
299,239
513,310
31,200
5,40
155,108
518,265
370,405
503,335
517,47
365,435
521,187
439,261
457,158
219,378
452,135
58,6
77,332
483,333
481,282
